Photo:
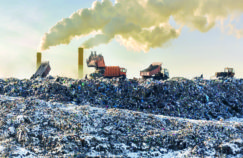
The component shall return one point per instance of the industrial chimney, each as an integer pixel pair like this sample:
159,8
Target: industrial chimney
80,62
38,59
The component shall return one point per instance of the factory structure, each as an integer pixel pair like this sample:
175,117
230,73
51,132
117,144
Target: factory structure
38,60
43,68
80,62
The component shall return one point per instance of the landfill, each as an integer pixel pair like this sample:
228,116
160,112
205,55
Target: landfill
59,116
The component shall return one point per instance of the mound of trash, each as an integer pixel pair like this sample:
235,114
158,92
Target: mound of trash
195,99
31,127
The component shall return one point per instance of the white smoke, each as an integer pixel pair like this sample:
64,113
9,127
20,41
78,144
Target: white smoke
141,24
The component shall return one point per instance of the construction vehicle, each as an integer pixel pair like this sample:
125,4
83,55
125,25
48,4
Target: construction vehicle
198,77
42,71
155,71
228,73
101,70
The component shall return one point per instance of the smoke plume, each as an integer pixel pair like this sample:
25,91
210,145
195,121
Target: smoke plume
141,24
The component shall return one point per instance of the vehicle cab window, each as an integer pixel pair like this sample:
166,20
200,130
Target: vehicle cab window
123,70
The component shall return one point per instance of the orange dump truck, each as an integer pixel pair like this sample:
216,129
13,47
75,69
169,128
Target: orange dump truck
155,71
114,71
101,70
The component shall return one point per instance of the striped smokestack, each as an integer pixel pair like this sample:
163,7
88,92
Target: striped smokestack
38,59
80,62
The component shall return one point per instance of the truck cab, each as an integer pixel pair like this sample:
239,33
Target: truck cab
123,72
229,70
166,72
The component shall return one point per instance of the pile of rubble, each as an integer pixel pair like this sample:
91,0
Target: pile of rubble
195,99
30,127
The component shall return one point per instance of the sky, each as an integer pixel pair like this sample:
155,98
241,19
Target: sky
24,23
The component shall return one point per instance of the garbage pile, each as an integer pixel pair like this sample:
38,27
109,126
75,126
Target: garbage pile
196,99
30,127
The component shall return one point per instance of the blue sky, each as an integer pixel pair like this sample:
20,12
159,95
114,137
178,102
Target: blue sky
23,23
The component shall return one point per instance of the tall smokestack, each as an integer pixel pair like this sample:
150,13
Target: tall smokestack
38,59
80,62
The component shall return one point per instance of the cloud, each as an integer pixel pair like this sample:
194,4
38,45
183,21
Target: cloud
140,24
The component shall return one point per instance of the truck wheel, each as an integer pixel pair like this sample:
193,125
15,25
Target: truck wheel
144,78
123,77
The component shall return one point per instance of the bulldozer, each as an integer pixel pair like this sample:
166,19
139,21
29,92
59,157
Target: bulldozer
228,73
101,70
155,71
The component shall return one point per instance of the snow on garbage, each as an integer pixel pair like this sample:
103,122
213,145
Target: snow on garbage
130,118
234,119
2,148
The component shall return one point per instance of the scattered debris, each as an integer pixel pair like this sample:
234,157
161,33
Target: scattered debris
127,118
195,99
